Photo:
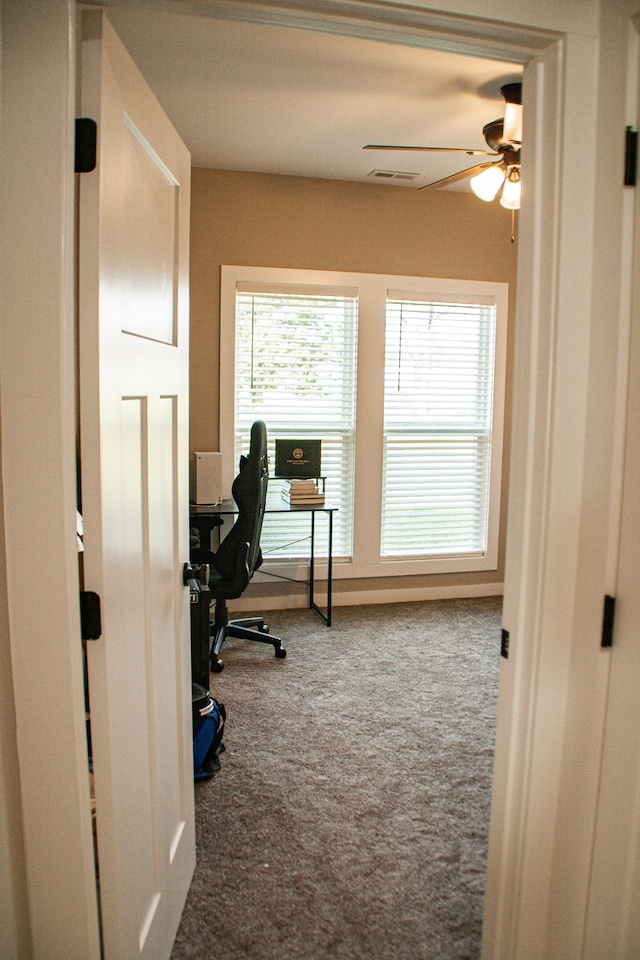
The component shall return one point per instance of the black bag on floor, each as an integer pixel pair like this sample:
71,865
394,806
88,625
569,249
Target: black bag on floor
208,729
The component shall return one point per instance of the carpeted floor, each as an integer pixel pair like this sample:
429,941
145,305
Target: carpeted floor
350,817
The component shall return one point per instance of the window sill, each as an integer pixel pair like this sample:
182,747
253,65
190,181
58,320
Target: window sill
346,569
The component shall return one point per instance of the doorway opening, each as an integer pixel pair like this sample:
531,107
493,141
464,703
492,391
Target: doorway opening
444,36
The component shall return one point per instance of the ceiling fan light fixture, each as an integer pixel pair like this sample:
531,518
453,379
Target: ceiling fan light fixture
485,185
512,124
512,190
512,129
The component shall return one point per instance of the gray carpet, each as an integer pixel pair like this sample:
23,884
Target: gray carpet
350,817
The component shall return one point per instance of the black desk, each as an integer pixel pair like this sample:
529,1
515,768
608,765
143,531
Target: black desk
206,516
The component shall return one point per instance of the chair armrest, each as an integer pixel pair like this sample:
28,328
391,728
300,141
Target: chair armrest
203,526
242,576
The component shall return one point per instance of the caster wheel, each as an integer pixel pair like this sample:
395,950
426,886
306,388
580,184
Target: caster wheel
264,628
217,665
280,653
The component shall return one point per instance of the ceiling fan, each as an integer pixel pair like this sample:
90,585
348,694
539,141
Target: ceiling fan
504,138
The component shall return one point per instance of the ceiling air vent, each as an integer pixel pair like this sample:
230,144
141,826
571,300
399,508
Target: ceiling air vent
392,175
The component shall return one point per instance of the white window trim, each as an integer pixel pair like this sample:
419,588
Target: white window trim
373,290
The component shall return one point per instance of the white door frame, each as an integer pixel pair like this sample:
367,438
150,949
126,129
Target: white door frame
39,470
547,574
613,927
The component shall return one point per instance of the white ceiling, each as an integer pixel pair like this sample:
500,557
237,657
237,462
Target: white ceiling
270,99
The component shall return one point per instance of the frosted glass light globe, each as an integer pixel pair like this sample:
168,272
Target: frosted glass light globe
511,192
486,184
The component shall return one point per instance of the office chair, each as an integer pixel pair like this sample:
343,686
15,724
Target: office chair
239,556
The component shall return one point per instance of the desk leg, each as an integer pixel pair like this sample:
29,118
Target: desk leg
330,568
311,560
312,604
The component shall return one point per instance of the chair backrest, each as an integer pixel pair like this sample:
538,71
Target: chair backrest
249,491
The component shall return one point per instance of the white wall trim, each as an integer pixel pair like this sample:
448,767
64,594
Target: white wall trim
39,473
392,22
553,687
354,598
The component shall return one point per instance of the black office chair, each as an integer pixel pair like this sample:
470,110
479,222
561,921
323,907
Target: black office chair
239,555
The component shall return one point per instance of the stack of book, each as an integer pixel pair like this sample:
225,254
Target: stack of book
302,492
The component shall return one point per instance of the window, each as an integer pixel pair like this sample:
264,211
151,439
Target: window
295,369
438,391
403,380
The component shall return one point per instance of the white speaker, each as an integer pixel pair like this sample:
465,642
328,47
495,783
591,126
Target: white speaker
206,478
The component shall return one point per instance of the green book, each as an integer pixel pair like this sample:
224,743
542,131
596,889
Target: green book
298,458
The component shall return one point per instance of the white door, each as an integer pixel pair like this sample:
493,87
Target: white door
613,919
134,221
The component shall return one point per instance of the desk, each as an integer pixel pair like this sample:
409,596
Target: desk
206,516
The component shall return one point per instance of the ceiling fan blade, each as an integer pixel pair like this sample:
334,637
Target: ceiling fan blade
455,177
471,153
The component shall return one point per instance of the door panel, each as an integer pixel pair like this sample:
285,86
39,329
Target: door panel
613,919
149,209
134,212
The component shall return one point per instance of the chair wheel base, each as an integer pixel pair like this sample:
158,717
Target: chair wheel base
217,665
280,653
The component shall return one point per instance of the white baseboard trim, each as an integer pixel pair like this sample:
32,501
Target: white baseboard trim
360,597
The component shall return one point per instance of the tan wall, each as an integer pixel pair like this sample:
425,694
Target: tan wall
271,221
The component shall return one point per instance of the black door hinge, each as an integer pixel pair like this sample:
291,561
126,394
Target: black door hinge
608,617
86,145
90,615
630,157
504,645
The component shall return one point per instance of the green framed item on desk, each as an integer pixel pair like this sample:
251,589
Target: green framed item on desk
298,459
204,517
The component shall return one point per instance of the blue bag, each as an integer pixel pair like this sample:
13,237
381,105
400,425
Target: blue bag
208,728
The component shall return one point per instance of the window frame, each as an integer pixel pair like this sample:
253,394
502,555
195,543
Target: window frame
373,292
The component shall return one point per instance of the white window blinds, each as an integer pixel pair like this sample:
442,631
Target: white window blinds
295,369
411,441
438,396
